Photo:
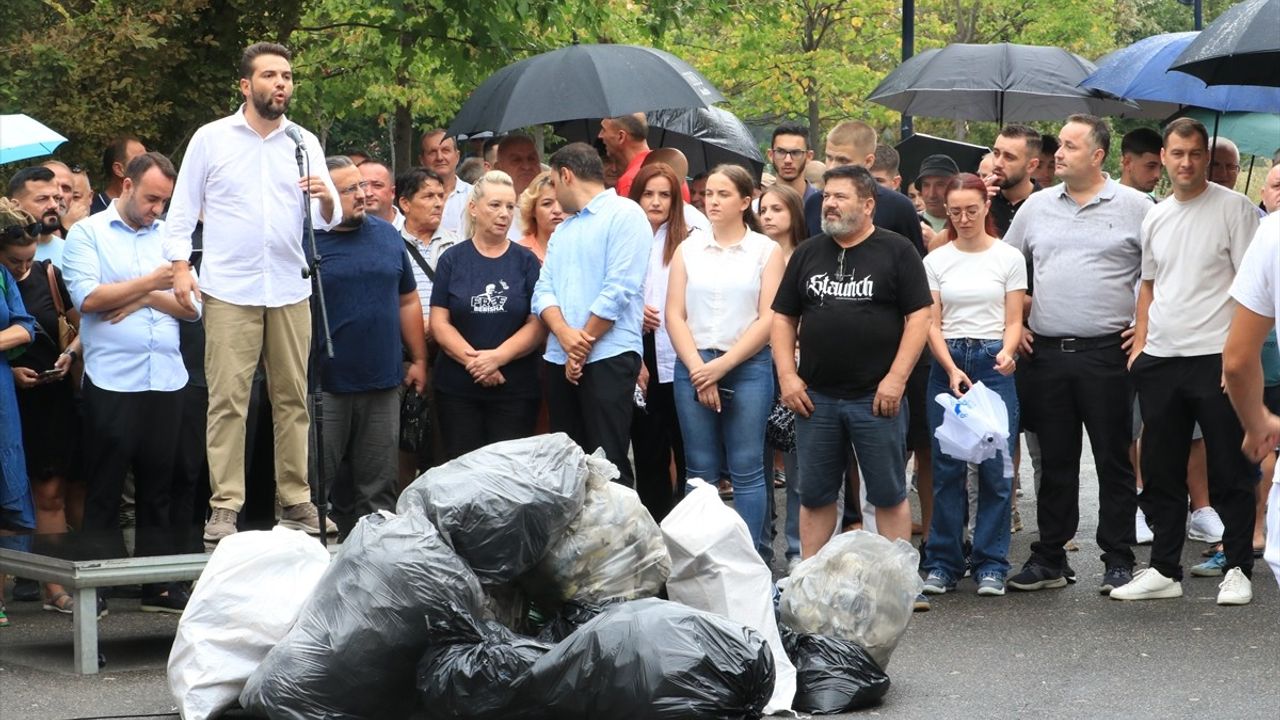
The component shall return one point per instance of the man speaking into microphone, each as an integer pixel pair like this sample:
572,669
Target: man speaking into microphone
241,175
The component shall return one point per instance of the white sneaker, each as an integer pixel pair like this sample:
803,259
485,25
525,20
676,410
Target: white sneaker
1141,530
1235,588
1204,525
1148,584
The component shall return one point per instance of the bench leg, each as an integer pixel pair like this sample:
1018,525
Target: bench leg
85,622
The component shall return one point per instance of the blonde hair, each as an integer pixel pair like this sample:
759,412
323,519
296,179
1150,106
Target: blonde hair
11,213
528,202
858,135
493,177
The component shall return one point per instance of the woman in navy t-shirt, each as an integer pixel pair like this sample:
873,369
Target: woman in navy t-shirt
486,380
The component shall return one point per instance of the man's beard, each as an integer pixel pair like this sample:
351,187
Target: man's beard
266,110
1011,181
353,221
842,226
51,222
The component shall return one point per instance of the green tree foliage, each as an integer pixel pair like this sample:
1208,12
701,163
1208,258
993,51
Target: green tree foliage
93,69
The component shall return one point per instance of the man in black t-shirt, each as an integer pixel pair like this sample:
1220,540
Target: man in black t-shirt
1016,156
860,300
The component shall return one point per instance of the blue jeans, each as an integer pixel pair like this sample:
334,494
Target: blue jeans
977,358
822,446
734,436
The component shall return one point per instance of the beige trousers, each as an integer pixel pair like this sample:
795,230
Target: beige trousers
236,337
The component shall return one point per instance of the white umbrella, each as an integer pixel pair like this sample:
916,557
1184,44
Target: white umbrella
23,137
975,427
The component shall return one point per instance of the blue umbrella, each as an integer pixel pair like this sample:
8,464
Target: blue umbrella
1140,72
23,137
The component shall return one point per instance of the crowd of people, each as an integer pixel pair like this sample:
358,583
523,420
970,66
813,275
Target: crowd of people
792,333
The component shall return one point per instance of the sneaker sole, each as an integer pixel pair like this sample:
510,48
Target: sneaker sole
209,538
1235,601
990,592
159,609
1169,594
1060,582
931,590
1215,572
1198,536
308,529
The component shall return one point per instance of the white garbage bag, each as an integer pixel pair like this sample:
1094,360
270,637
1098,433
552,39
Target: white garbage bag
975,426
859,587
715,567
247,599
612,551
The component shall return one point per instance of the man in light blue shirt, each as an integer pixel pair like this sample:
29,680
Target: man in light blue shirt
120,281
589,295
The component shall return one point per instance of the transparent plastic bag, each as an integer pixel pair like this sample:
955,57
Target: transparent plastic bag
354,650
859,587
501,506
612,551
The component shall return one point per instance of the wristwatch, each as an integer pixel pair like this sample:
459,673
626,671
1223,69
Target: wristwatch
72,353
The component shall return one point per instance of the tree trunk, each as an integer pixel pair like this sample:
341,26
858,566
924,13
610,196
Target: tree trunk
403,128
815,117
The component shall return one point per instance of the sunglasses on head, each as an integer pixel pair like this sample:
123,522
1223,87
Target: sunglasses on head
16,232
76,168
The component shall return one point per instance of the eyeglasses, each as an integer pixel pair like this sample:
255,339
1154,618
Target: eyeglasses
352,188
793,154
1230,166
76,168
957,213
841,275
16,232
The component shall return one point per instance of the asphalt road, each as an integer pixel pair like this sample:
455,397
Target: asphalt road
1069,653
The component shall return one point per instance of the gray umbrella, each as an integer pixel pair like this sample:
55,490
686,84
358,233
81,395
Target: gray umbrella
1241,47
1002,83
583,81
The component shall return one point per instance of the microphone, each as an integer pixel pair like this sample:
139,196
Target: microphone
295,134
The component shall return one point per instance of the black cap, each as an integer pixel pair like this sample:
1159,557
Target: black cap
937,165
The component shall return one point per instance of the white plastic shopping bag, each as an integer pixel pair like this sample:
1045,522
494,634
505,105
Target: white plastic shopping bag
715,567
975,426
247,599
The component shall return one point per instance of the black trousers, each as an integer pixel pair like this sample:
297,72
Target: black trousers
1063,391
596,412
467,423
137,430
1175,394
655,435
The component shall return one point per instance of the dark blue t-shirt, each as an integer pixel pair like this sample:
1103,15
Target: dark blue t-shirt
489,300
365,272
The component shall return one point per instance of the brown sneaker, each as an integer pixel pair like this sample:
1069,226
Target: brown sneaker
306,518
221,524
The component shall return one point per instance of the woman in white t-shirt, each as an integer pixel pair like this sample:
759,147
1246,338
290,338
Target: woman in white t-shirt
978,285
655,430
718,315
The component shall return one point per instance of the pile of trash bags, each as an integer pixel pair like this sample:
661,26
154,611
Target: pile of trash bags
522,581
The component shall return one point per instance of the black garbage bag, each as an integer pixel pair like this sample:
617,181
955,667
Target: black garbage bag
564,623
475,675
499,507
832,675
652,660
353,651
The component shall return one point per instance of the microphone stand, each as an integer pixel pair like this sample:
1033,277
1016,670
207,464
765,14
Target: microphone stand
312,271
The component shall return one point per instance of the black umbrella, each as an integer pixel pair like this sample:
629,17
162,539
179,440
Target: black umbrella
1241,47
707,136
583,81
913,151
1000,82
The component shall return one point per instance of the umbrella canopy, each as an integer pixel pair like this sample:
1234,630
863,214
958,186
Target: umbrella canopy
913,150
23,137
707,136
583,81
1141,72
974,427
1241,47
1253,133
1002,82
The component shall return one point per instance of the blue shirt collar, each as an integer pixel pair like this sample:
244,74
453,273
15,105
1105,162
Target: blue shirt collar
115,219
600,199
